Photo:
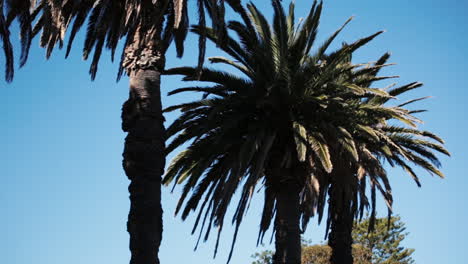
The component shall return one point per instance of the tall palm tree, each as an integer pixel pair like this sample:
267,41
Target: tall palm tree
268,124
148,28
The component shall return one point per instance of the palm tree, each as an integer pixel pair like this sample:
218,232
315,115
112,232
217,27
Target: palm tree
268,124
366,139
148,28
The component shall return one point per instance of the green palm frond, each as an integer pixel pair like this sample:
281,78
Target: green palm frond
321,150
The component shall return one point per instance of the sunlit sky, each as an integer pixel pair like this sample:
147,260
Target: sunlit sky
64,197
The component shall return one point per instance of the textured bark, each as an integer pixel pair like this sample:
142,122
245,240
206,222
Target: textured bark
144,161
144,152
287,230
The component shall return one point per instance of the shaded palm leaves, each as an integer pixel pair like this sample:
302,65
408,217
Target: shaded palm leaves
109,22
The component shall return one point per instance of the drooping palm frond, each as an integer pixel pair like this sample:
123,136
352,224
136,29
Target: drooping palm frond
22,11
109,21
7,48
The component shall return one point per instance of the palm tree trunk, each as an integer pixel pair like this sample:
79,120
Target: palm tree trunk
340,238
341,194
144,152
287,230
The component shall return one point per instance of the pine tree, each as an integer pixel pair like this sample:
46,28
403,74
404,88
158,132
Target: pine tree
384,241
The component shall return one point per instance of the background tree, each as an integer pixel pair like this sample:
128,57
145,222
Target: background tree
320,254
381,246
264,257
317,254
385,241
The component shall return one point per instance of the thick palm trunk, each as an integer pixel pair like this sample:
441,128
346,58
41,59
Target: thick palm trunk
144,152
340,237
144,162
288,233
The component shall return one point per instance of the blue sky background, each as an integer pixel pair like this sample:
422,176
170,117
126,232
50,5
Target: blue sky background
64,197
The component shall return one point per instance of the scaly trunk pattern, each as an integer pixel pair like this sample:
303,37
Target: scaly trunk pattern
144,152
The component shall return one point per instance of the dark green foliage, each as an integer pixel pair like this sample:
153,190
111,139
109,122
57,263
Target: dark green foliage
384,241
264,257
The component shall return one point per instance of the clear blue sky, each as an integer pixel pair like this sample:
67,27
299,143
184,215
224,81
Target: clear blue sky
64,196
